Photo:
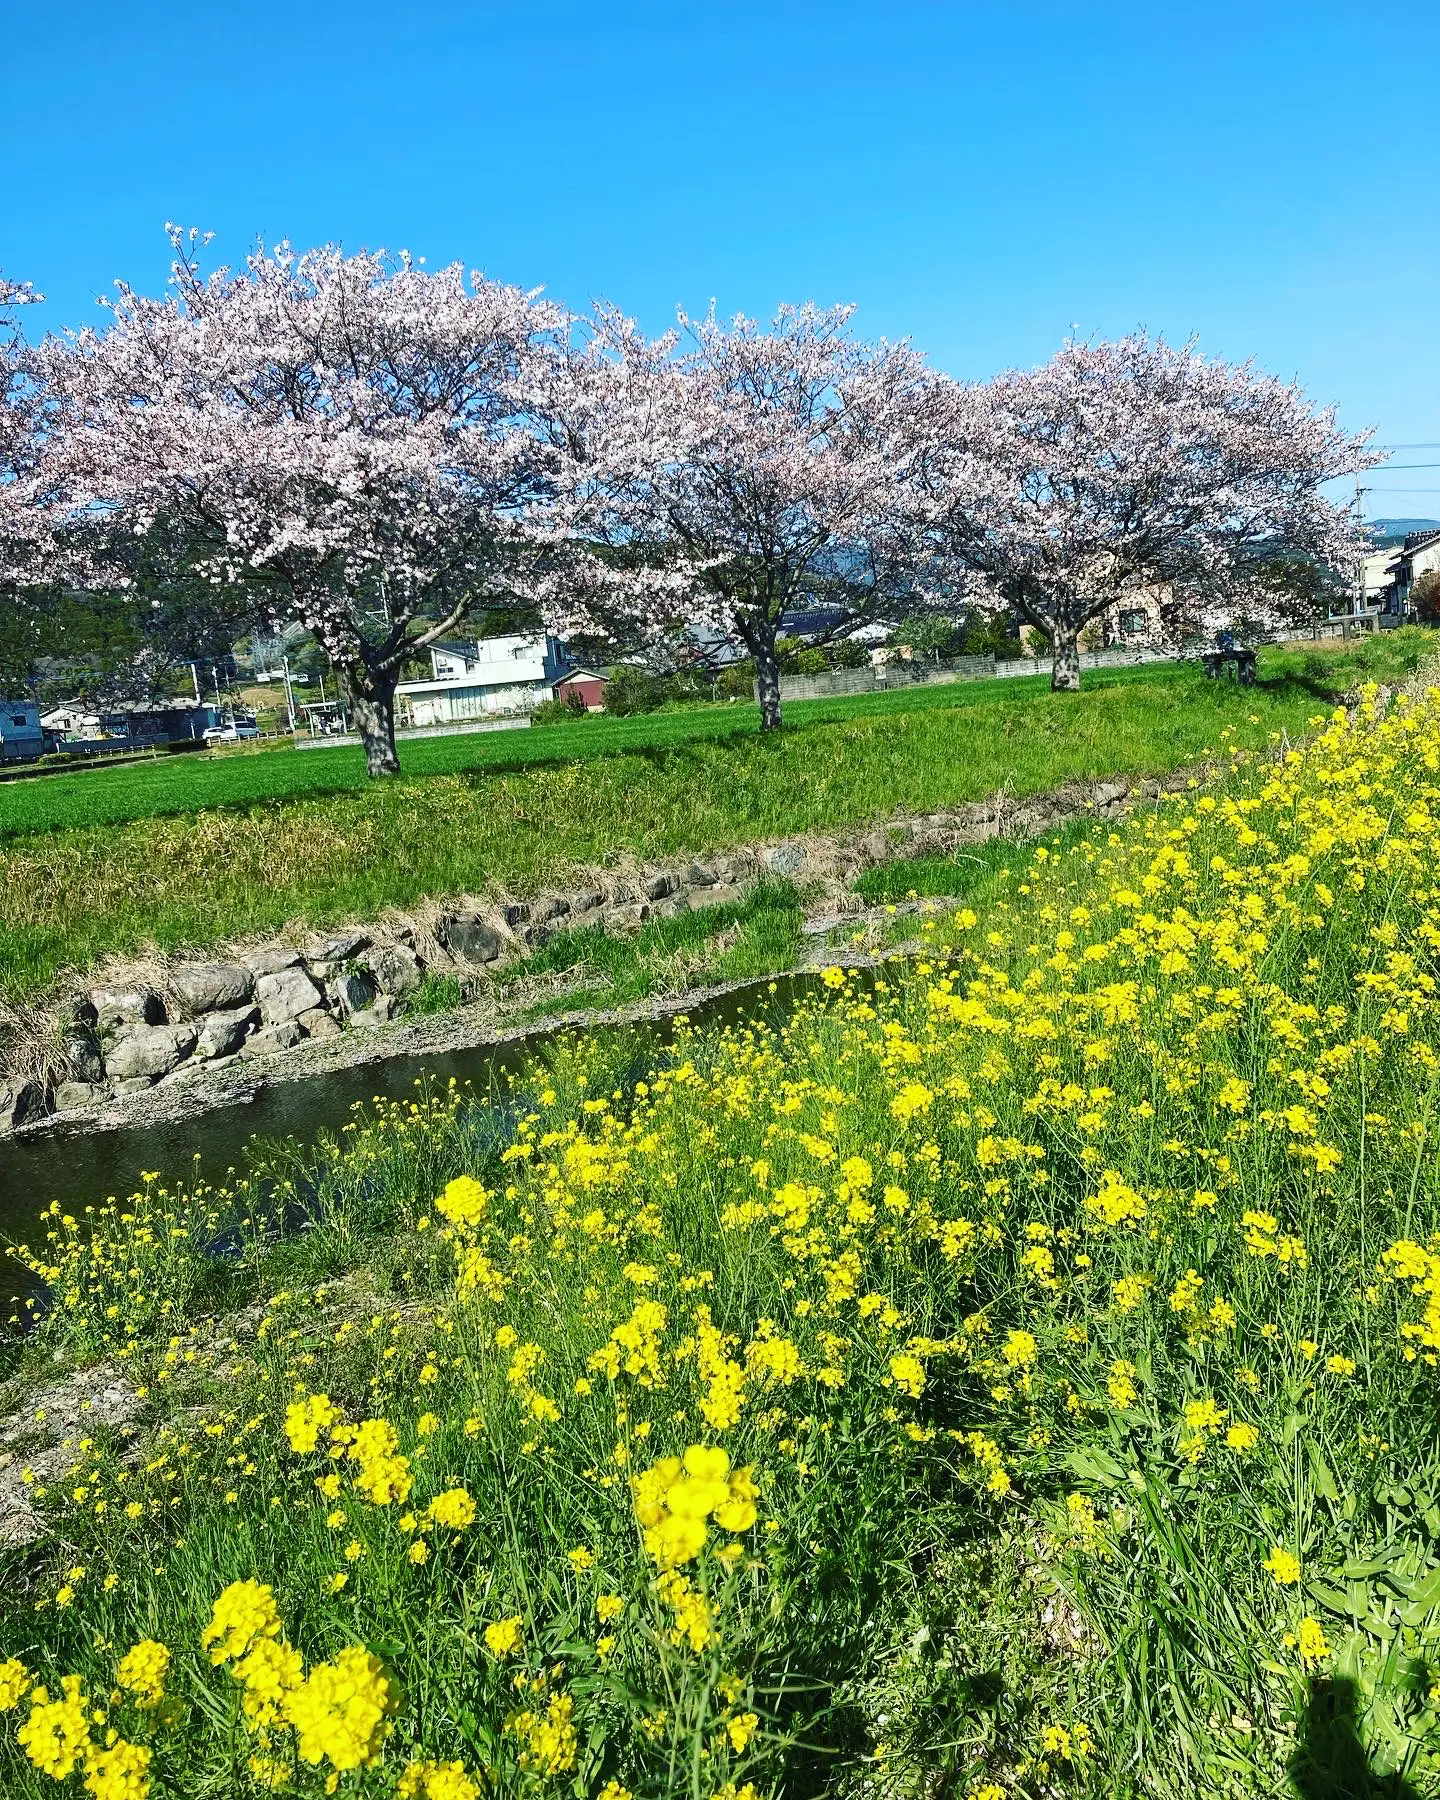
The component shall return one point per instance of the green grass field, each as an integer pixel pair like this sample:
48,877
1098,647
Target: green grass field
972,873
187,784
190,855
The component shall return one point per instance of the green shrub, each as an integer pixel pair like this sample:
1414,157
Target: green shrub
435,994
560,710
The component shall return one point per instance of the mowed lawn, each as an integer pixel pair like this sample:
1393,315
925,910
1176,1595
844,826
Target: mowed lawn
190,854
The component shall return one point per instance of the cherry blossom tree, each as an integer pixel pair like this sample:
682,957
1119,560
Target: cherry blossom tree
21,405
1130,471
726,476
344,441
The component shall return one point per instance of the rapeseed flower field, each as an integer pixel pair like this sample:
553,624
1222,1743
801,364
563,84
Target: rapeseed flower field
1014,1375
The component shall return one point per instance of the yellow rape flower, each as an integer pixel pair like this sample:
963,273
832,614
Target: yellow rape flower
465,1202
245,1611
914,1098
341,1711
454,1510
437,1781
118,1772
141,1671
740,1730
908,1374
267,1673
1121,1383
57,1733
307,1419
505,1636
549,1741
14,1683
1310,1641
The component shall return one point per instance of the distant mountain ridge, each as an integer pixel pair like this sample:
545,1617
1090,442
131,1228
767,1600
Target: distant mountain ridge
1388,532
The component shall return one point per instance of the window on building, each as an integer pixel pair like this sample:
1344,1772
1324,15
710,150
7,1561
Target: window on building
1133,621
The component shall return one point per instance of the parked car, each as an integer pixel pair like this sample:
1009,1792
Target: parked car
232,733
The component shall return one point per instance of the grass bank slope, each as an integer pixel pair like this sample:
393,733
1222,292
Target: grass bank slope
1010,1378
669,785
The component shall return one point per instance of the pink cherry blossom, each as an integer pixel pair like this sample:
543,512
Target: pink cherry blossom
727,475
346,439
20,409
1126,470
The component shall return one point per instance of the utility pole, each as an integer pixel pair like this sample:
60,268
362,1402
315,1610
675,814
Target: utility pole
1360,563
195,677
289,692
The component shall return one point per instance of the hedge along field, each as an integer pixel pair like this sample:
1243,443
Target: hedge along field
71,896
1011,1377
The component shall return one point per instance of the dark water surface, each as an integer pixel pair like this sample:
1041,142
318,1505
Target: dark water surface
83,1168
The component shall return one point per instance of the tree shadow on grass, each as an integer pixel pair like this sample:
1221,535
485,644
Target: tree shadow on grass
1320,685
1330,1761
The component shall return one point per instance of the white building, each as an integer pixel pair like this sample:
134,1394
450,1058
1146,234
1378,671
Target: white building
1419,555
487,676
1387,577
21,737
72,719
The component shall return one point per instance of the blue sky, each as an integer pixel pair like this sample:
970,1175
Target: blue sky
979,177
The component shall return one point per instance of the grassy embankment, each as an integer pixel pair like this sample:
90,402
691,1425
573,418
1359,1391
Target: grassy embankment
1046,1333
189,855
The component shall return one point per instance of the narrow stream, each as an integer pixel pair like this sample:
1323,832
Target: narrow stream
82,1168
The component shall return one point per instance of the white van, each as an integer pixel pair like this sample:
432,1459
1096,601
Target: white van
233,732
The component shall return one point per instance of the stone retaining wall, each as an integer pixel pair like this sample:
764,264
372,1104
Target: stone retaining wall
162,1024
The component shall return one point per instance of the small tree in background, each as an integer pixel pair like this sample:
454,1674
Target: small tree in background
1129,470
344,439
1425,597
727,476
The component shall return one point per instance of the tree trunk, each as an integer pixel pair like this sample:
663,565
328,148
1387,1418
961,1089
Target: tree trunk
370,698
767,683
1066,676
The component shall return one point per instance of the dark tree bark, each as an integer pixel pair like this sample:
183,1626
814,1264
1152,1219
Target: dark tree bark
767,680
1065,678
369,693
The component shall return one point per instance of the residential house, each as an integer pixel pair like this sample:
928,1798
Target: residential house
1419,555
76,723
482,679
589,684
70,720
22,737
1135,621
1382,596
